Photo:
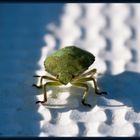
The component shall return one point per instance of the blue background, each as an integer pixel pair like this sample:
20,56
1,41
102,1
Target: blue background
22,31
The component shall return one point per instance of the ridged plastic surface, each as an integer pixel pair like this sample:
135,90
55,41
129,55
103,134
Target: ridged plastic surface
112,33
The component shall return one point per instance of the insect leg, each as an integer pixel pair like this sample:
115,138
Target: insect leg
93,71
45,90
96,89
41,80
85,86
85,79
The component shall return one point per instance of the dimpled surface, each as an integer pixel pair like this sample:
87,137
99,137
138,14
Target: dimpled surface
111,31
70,60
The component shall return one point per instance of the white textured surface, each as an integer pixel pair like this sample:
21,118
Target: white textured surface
112,33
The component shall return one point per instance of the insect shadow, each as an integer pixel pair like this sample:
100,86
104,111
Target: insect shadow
123,87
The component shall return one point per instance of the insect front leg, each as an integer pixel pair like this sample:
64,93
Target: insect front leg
85,86
91,72
45,90
95,87
41,80
85,79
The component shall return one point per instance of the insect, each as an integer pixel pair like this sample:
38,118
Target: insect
68,65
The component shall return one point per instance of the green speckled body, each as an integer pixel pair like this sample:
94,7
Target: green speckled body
68,62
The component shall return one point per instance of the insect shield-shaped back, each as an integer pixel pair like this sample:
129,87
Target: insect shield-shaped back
69,59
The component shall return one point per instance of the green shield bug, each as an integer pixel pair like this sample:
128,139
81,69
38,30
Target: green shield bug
68,65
